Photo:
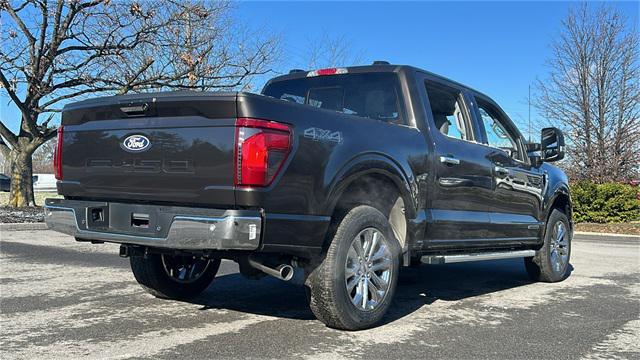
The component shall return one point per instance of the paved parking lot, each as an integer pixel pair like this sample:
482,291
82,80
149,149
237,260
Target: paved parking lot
62,299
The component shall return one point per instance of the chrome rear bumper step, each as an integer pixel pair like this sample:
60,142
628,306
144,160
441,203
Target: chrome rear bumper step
448,259
160,226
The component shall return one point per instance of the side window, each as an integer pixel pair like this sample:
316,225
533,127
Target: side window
497,134
447,108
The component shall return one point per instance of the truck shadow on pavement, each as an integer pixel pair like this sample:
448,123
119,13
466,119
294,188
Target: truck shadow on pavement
417,287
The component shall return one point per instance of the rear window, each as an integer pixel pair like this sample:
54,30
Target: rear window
369,95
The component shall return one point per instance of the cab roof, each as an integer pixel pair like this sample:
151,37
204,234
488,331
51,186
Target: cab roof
375,68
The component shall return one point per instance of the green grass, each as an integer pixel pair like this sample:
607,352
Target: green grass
40,196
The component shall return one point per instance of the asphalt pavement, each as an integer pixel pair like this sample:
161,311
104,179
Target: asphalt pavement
63,299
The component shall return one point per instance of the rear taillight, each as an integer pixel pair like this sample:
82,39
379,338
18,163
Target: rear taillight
57,155
261,149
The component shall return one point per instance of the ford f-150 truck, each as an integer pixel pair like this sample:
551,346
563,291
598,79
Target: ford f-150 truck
334,177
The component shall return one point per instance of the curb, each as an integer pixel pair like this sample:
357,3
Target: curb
23,226
606,234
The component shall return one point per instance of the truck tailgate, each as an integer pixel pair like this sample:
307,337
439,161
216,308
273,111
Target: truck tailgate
162,147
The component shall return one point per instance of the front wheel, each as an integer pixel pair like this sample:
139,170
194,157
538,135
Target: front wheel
551,262
173,276
353,287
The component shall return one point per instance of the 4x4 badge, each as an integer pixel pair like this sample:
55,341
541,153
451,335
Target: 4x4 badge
318,134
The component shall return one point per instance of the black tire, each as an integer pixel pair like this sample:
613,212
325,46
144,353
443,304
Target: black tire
328,296
150,273
542,267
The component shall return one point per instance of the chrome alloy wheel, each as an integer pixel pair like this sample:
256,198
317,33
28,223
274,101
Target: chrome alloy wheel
559,247
368,269
184,269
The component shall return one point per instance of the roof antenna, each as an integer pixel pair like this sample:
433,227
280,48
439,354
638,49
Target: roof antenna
529,112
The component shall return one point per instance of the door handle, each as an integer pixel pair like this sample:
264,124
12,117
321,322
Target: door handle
449,160
501,171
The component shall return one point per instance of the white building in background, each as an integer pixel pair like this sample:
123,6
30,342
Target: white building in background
44,182
4,164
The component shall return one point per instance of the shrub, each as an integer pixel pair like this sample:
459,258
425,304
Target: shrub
604,203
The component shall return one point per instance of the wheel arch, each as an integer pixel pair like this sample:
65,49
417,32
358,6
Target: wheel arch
367,180
375,165
560,200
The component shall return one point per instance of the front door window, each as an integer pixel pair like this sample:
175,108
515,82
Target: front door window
497,134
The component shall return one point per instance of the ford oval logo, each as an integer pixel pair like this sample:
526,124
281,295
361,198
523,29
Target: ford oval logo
136,143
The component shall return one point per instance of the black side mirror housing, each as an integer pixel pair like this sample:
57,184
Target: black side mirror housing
552,145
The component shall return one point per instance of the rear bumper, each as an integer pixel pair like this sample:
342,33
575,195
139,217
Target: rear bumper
167,226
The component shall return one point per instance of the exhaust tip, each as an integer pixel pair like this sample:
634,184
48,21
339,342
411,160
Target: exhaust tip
283,271
286,272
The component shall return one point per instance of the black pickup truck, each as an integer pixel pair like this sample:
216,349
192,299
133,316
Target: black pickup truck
335,178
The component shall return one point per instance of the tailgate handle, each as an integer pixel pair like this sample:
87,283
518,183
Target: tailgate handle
135,109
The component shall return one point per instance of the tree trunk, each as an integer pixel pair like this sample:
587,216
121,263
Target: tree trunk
21,178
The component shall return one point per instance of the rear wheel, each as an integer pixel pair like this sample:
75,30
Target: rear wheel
551,262
174,276
354,285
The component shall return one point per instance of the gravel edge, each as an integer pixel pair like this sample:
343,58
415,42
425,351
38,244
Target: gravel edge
606,234
22,226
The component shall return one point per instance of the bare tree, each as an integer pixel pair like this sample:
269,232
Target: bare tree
331,51
593,94
42,158
54,51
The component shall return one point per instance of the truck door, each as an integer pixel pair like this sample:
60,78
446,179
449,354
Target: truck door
515,210
463,173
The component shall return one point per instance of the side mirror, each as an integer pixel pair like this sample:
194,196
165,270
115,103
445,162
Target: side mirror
552,144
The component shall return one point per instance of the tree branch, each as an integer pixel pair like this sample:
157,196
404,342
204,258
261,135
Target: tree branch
20,23
8,136
12,94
